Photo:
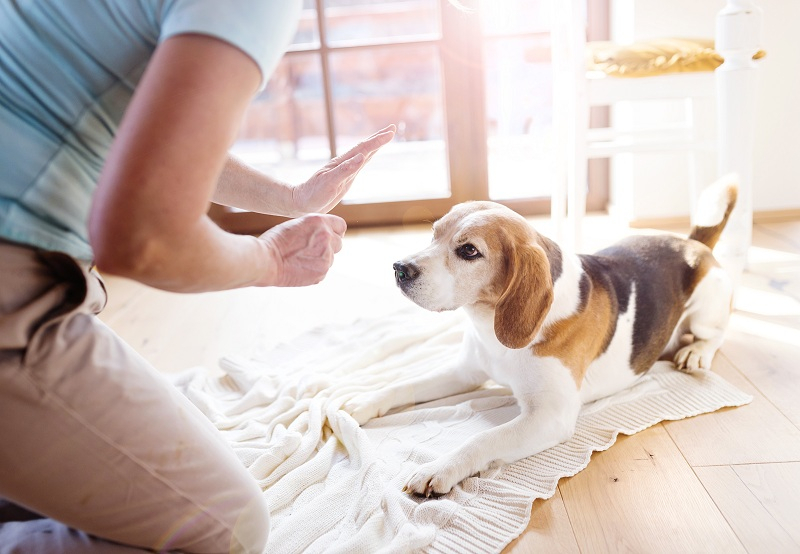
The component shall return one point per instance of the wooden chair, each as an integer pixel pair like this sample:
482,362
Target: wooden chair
731,86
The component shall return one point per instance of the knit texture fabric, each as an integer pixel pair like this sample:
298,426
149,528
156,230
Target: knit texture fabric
336,487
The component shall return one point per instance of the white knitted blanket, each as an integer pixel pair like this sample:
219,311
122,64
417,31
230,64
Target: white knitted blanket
336,487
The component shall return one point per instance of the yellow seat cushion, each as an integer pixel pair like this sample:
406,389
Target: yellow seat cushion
654,57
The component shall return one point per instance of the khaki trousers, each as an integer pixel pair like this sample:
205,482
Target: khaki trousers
97,441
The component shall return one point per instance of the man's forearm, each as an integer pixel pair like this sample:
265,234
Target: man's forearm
196,259
241,186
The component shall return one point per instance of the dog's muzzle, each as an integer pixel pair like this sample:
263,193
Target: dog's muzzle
404,274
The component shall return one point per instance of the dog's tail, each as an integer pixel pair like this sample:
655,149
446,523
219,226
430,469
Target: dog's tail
713,209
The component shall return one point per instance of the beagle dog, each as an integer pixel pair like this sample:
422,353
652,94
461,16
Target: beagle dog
558,329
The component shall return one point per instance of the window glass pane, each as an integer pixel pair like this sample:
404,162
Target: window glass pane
519,112
284,132
358,20
402,85
307,35
503,17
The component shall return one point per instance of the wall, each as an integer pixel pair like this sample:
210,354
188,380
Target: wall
658,183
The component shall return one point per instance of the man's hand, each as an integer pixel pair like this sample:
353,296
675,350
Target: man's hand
303,249
327,186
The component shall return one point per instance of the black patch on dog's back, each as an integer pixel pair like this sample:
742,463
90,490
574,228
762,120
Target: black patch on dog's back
663,280
554,256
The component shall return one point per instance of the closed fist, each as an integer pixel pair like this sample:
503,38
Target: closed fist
303,249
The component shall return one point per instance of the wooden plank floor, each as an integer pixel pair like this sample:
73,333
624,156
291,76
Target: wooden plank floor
722,482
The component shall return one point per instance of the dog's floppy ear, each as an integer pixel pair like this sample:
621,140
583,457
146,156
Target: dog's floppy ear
527,297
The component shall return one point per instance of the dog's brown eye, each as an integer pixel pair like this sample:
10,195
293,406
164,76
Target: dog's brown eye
467,252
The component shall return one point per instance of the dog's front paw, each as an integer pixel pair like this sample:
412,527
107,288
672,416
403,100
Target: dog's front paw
433,479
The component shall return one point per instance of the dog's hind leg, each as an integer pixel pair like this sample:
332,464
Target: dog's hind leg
706,318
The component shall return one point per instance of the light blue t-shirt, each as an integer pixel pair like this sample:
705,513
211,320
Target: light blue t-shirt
68,69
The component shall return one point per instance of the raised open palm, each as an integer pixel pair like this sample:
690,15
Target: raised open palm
327,187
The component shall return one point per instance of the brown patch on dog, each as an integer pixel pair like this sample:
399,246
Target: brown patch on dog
528,294
500,241
579,339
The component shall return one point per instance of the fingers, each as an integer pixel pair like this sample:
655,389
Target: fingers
335,223
324,245
304,248
312,263
328,186
337,180
368,146
327,233
345,172
381,137
389,128
353,164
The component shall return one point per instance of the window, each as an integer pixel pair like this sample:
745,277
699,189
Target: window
469,90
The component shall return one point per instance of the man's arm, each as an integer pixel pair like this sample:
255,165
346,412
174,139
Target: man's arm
244,187
148,220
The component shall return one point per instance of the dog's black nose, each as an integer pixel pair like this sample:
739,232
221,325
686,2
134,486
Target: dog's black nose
404,273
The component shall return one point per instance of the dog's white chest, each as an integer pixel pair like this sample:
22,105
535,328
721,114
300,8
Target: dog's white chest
611,372
482,348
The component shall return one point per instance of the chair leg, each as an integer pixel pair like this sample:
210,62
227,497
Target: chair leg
577,170
737,40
